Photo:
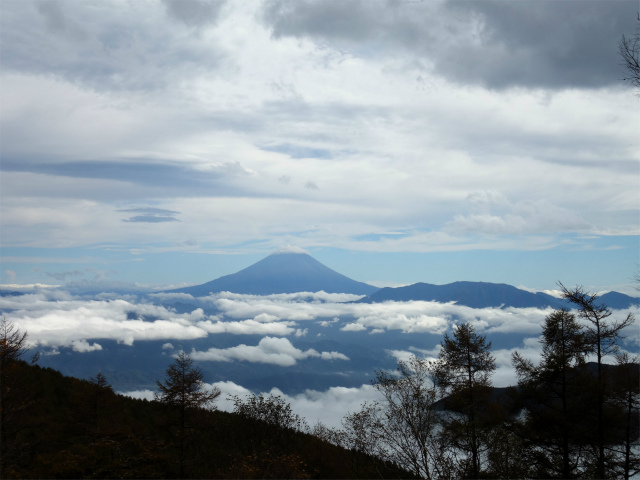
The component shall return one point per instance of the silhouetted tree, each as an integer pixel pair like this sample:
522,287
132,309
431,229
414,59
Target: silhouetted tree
629,48
100,387
603,336
463,372
184,390
626,396
554,422
13,346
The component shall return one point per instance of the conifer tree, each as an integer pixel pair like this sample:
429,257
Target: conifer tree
100,387
463,371
603,336
553,392
184,390
13,346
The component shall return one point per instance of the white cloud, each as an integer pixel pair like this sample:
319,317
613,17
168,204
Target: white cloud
249,327
328,406
290,249
276,351
140,394
56,318
84,346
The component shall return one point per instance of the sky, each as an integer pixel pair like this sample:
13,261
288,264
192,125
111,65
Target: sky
156,144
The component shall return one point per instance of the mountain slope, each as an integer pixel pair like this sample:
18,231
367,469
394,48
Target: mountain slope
483,295
63,427
282,273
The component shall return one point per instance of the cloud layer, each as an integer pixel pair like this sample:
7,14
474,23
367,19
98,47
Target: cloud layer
276,351
200,126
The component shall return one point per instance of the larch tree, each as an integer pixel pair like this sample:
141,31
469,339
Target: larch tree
100,388
13,346
603,335
184,390
555,421
463,372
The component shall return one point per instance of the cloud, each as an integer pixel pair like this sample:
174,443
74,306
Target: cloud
163,296
84,346
328,406
11,275
488,43
62,276
290,249
248,327
194,13
145,394
56,318
109,54
151,219
275,351
526,217
407,317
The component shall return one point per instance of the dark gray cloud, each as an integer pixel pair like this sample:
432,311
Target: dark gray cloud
102,47
194,13
490,42
169,176
150,211
150,219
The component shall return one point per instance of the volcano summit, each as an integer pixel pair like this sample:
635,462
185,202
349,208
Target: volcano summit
284,271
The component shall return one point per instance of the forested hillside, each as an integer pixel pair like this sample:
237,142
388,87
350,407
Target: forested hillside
61,427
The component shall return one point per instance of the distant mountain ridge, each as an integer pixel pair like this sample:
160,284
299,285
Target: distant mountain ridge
484,295
285,272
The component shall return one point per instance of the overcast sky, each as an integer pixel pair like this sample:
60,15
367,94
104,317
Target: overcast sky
172,142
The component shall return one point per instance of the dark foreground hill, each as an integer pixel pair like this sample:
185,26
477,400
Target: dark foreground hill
484,295
61,427
282,273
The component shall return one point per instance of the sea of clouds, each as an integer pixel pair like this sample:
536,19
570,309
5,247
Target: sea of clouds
55,319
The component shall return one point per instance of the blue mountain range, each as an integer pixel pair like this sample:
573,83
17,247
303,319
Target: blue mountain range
483,295
299,272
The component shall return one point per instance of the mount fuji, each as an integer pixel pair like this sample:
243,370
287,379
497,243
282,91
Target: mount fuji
289,270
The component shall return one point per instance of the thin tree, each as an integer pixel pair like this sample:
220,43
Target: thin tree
409,418
463,371
402,427
604,336
184,390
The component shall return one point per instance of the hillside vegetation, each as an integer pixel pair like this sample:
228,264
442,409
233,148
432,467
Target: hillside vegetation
63,427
